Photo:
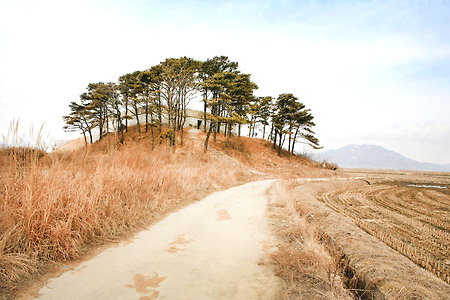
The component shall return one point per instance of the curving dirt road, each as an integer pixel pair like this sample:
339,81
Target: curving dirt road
210,250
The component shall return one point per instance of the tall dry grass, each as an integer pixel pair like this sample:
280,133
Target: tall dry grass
260,155
309,267
53,206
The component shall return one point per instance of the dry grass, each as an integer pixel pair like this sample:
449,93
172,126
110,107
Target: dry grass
260,156
55,206
309,267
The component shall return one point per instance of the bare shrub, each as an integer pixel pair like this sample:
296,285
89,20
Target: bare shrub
330,166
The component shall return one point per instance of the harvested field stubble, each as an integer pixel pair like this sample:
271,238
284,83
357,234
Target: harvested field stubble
374,270
412,220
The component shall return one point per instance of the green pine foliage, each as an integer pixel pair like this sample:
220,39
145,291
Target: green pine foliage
160,95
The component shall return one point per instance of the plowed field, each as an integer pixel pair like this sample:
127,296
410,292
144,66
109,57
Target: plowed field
409,212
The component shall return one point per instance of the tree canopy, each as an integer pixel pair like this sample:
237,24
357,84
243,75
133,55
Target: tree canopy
158,98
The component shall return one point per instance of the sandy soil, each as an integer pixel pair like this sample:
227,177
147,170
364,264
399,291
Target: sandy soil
212,249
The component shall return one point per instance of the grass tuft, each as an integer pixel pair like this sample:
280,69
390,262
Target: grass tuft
309,267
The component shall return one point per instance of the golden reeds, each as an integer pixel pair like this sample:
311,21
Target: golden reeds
52,206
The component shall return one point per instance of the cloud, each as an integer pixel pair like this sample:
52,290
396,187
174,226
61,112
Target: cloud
418,140
415,141
360,66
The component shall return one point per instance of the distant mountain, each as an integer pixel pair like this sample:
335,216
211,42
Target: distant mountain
376,157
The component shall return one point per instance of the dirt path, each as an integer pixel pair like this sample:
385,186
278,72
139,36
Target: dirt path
193,133
210,250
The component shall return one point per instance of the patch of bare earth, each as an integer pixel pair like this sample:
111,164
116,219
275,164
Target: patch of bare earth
399,220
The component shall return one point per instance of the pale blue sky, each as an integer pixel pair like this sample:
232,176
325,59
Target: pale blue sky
372,72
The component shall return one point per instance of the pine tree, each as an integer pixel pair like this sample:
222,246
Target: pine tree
291,116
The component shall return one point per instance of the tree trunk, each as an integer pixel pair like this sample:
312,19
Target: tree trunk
159,107
271,132
146,117
275,139
208,134
181,135
126,114
293,141
228,134
264,131
290,138
172,138
85,140
136,112
204,111
119,127
152,120
289,145
90,135
100,127
280,143
107,121
119,122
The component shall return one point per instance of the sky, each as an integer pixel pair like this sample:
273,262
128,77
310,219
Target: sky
372,72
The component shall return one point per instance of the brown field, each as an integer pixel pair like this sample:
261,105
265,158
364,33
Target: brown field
408,211
368,232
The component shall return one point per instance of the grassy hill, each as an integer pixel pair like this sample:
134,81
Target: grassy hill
56,207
